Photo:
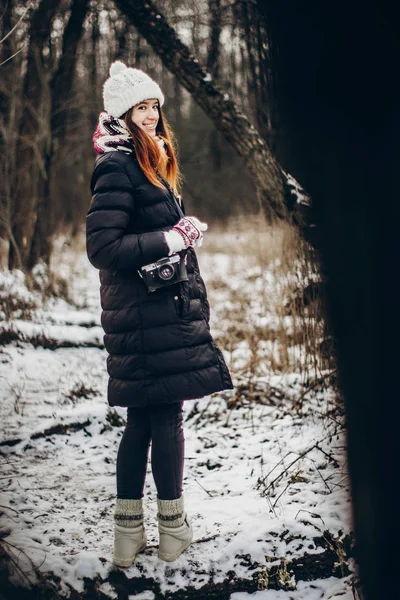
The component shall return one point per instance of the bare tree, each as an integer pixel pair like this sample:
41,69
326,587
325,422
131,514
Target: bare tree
234,125
61,86
33,135
213,64
10,51
338,107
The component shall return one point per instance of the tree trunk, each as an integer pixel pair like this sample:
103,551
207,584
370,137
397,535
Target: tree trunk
34,136
7,99
61,87
338,107
6,51
226,116
215,24
213,59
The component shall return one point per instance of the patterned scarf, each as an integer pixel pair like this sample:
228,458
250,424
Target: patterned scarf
112,134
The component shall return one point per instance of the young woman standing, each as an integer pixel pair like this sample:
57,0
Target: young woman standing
157,335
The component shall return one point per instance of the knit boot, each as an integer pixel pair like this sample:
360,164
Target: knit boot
130,537
175,530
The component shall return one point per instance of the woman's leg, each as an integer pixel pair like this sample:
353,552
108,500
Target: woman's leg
132,454
167,455
130,537
167,449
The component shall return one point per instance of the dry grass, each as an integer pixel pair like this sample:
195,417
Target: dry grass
266,299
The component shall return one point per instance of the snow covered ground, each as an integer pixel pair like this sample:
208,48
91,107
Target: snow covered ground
265,483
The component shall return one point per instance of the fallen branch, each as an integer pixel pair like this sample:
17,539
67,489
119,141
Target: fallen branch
39,340
61,428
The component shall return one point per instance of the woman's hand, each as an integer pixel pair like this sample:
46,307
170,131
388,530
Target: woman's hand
191,229
187,232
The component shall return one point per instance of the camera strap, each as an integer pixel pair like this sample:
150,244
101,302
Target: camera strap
171,191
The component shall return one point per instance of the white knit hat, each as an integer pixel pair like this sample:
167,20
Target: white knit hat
126,87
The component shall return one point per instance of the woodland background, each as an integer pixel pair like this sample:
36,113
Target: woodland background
55,57
308,89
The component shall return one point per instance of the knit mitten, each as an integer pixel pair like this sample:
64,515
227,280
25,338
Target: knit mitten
128,513
190,229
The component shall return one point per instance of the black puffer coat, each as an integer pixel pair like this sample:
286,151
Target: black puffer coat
159,344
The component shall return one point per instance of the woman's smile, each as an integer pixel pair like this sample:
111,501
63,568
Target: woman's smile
150,126
146,115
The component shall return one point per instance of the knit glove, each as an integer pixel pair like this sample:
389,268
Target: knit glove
187,232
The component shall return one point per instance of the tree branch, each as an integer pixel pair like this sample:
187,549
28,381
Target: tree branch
233,124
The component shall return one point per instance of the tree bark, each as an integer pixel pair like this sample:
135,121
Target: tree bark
215,24
7,103
34,135
226,116
61,86
213,60
339,112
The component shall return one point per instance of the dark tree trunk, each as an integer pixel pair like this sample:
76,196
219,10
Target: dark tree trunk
226,116
61,89
93,79
213,60
122,41
6,51
34,135
7,136
338,100
254,37
215,24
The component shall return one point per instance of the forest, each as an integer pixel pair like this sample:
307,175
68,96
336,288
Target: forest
286,122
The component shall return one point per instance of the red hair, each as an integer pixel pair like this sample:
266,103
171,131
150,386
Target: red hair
152,160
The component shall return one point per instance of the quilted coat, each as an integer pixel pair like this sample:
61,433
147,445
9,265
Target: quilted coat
159,344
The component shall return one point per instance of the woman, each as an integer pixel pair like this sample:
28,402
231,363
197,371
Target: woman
160,350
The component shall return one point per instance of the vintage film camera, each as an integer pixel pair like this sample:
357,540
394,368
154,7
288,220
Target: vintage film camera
164,272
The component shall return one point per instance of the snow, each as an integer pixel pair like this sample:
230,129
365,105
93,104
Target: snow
261,480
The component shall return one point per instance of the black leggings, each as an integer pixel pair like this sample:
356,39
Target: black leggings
161,425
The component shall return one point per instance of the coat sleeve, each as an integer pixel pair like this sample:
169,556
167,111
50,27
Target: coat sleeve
108,244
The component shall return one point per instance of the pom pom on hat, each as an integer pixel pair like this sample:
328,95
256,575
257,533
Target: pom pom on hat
117,67
126,87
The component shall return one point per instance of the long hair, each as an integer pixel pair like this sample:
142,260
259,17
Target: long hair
152,160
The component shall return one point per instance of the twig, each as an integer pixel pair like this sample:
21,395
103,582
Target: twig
327,454
206,539
281,494
35,567
314,515
302,455
314,385
199,416
319,473
339,483
9,508
203,488
15,54
16,24
14,562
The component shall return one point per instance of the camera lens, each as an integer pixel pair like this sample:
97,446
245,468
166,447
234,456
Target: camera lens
166,272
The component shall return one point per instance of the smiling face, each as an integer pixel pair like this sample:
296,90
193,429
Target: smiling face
146,115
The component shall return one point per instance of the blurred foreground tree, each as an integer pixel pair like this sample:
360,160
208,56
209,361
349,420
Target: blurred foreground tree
337,101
